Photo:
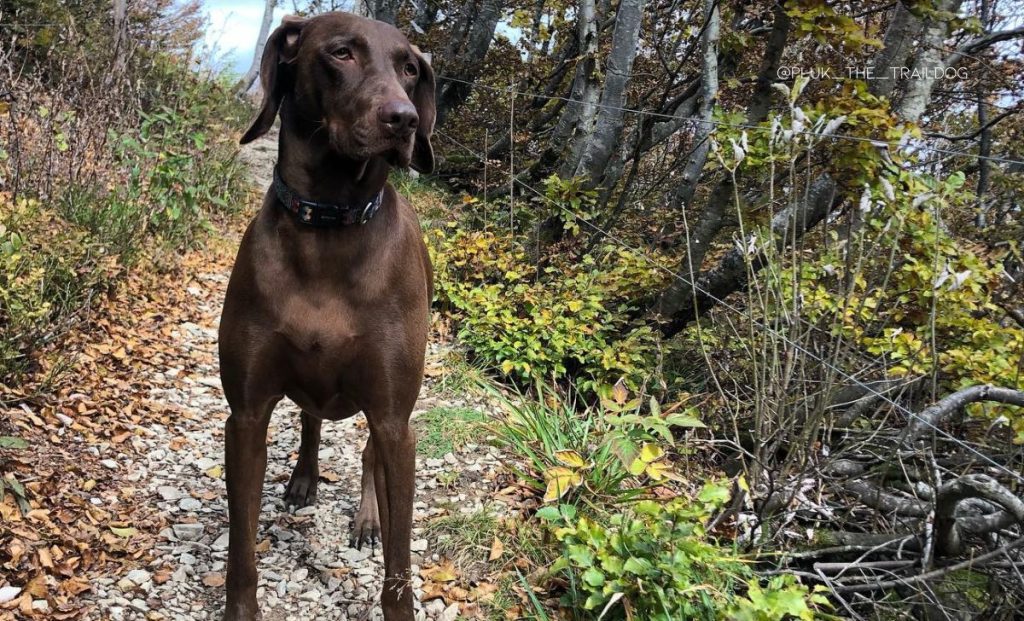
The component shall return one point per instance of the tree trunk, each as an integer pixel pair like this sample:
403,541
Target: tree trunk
930,63
582,93
682,302
120,15
708,96
478,21
385,10
604,136
250,76
896,48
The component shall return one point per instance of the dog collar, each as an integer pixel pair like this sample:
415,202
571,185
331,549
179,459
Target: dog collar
324,214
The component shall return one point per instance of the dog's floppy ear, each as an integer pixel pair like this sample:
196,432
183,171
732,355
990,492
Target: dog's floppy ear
281,48
423,99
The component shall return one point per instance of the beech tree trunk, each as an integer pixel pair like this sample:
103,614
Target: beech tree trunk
250,76
604,136
465,54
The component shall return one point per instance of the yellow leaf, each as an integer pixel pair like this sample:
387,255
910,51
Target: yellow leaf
650,453
571,459
560,480
215,472
123,532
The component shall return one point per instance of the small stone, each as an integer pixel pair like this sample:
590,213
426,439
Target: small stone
126,585
8,593
419,545
300,574
434,463
449,458
139,576
190,504
450,613
222,541
170,493
205,463
109,464
188,532
435,607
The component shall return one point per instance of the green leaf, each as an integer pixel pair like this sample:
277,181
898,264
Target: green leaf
593,577
11,442
637,566
548,513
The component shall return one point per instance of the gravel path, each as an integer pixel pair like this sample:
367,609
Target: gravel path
307,570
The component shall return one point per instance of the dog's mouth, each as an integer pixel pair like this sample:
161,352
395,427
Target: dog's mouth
363,144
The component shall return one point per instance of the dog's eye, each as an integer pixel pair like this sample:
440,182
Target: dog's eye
411,69
342,53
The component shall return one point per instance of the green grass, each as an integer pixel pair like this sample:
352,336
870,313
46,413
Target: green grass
463,537
444,430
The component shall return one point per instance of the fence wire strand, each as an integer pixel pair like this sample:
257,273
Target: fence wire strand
760,325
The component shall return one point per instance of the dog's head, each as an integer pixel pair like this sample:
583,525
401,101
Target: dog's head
361,80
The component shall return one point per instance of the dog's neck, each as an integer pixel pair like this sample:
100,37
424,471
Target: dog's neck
314,171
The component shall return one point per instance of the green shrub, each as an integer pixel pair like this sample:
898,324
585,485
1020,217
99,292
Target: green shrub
565,319
600,454
655,562
149,188
48,267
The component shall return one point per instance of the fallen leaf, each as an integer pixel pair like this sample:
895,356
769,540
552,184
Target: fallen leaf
444,572
213,580
497,549
329,476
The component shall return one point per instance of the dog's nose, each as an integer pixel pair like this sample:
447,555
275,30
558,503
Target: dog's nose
399,117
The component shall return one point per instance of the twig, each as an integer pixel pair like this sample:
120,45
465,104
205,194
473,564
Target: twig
890,584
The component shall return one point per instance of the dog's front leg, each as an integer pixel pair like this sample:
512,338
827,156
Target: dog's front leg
395,446
246,464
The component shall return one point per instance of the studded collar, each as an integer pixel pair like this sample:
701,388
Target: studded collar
324,215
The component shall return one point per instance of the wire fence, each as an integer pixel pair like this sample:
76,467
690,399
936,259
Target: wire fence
881,144
867,388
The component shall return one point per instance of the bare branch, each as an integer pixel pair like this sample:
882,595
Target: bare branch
949,496
933,416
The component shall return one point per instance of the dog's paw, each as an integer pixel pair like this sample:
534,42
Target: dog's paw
248,611
301,491
365,530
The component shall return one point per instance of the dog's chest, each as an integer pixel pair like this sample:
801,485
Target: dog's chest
319,326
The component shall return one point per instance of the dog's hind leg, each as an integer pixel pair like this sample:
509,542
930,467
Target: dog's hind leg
301,490
366,528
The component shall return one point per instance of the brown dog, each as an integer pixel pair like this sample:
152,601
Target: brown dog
329,296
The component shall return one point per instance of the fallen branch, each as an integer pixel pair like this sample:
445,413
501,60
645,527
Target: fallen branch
949,496
873,496
934,415
890,584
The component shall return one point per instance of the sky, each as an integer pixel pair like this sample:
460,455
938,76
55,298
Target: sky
234,25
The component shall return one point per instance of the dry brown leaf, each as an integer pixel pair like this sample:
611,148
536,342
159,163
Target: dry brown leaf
497,549
213,579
